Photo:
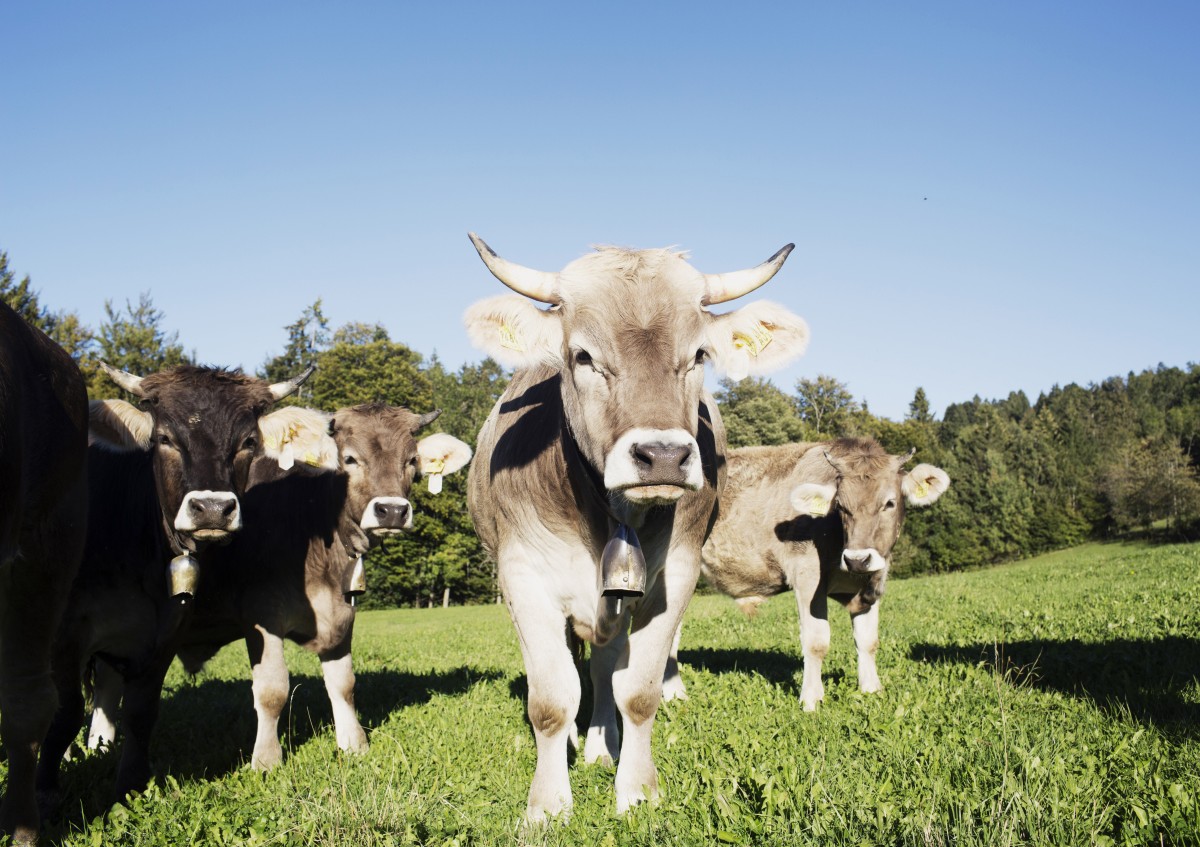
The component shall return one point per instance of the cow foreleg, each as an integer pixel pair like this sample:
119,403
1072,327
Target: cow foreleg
270,687
866,639
554,692
339,684
27,704
106,698
814,644
143,693
603,737
673,688
637,681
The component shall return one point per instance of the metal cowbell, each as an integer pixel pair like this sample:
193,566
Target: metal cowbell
623,566
184,575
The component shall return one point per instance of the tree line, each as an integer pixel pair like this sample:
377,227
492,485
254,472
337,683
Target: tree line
1100,461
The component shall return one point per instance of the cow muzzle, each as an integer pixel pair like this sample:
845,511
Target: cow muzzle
209,515
386,516
654,466
866,560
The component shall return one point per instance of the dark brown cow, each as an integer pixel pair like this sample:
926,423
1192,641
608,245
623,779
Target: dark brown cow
164,481
605,432
43,515
850,496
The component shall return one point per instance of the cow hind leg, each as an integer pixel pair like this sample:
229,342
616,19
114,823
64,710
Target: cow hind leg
106,699
270,688
866,639
143,695
673,688
603,737
339,684
554,695
814,644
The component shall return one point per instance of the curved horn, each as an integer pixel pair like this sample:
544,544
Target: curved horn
427,418
720,288
131,383
536,285
829,458
901,461
282,389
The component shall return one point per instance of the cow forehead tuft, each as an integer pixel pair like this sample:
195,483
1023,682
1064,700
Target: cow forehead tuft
201,386
658,273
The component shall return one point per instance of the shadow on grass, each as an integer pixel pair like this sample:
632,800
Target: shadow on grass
775,666
206,730
1147,677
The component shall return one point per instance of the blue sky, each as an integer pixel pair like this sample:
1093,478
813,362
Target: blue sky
984,197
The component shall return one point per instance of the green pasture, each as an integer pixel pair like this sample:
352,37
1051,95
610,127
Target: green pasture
1051,701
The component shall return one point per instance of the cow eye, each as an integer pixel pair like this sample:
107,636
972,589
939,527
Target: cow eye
701,357
583,357
164,440
250,443
890,504
349,460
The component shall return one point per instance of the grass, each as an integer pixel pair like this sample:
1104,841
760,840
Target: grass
1052,701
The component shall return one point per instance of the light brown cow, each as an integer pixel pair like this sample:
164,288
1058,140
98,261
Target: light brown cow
850,495
605,432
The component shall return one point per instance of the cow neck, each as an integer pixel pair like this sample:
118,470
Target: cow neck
179,545
592,482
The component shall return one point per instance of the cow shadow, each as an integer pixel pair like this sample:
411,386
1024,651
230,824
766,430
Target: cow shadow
1147,679
206,730
779,668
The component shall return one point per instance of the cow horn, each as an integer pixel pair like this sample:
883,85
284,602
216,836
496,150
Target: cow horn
903,460
282,389
427,418
131,383
720,288
536,285
829,458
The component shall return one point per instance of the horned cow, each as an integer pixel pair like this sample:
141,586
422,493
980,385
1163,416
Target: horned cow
596,478
164,480
820,519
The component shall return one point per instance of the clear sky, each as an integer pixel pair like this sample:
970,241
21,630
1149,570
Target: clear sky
984,196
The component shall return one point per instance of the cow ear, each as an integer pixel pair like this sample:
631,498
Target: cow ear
118,425
514,332
756,339
924,484
441,454
812,498
298,435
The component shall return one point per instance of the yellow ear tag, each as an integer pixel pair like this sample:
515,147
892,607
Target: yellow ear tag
818,506
921,492
509,340
753,342
311,458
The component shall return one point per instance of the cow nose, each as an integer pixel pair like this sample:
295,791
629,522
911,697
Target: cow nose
213,511
391,514
857,564
661,464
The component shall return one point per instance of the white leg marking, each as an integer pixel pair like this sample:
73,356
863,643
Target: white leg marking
603,737
673,688
270,675
814,644
866,639
106,698
339,685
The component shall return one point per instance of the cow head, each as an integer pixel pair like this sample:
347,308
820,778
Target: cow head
201,426
630,333
869,495
379,453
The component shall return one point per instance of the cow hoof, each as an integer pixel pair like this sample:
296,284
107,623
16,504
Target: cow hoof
267,759
673,689
538,817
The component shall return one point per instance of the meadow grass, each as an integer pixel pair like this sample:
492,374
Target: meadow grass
1050,701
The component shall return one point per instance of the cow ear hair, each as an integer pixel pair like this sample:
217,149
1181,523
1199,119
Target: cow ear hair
119,425
515,332
924,484
295,436
441,454
756,339
812,498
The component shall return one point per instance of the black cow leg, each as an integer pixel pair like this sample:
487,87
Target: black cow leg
143,691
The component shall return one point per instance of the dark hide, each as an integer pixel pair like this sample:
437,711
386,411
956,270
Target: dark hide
43,512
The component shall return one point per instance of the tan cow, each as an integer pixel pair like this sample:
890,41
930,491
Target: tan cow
820,519
604,449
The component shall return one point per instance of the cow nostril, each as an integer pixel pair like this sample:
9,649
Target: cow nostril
643,456
229,508
381,510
